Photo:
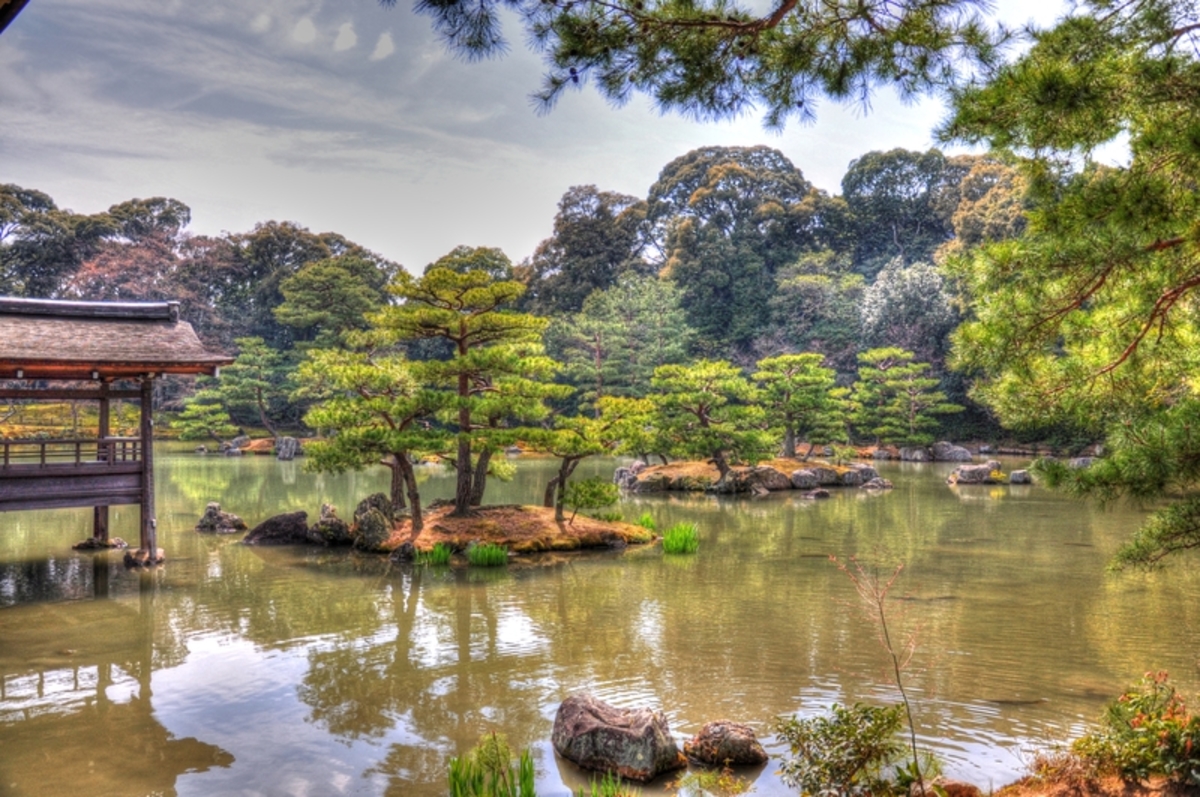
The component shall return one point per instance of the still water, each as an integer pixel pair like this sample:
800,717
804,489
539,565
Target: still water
289,671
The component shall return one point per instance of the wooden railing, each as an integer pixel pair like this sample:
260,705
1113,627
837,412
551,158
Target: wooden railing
43,453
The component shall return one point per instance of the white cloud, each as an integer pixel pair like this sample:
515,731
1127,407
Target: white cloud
384,47
305,31
346,37
261,23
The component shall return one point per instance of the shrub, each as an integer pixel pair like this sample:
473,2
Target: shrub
438,555
844,753
608,786
1146,731
609,517
593,493
681,538
487,554
646,521
488,770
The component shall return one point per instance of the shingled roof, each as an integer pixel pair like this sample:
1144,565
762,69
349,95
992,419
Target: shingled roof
50,339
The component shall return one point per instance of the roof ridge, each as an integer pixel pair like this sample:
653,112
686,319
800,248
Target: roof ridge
128,311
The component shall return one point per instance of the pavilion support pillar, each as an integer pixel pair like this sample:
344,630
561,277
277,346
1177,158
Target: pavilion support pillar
148,552
100,513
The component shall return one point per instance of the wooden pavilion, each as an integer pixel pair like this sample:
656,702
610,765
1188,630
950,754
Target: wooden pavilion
62,351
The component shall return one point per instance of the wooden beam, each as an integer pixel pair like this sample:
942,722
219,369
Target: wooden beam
56,393
149,536
100,513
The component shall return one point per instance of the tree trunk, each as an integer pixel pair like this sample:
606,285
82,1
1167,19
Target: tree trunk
262,415
560,489
414,497
721,462
462,487
789,441
808,453
397,491
551,492
479,482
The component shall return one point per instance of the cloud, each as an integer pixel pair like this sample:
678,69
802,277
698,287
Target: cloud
384,47
305,31
346,37
261,23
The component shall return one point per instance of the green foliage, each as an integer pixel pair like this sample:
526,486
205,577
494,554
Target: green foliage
487,554
708,410
647,521
908,307
203,417
713,60
488,770
439,554
682,538
326,299
844,753
609,785
1147,731
593,493
894,401
257,382
798,394
815,307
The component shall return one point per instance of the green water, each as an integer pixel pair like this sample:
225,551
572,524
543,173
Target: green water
291,671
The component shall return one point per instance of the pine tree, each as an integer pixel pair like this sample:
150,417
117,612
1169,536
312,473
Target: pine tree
894,401
799,396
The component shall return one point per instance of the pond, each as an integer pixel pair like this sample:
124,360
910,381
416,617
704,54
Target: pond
292,671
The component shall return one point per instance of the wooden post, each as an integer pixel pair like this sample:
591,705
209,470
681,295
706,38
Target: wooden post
147,554
100,513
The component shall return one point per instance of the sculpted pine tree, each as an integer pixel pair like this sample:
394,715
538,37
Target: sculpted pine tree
801,397
371,410
708,410
255,382
204,416
893,401
467,309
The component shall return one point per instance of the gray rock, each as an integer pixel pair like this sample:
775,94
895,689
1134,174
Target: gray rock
637,466
866,472
330,529
852,478
948,452
380,502
214,521
915,454
371,530
241,441
201,449
881,453
876,484
287,529
973,474
633,743
625,478
985,449
820,492
804,479
722,743
286,448
1020,477
826,476
233,452
1078,463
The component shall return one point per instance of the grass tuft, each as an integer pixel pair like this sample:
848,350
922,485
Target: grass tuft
439,555
681,538
646,521
487,554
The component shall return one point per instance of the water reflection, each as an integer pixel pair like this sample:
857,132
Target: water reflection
328,672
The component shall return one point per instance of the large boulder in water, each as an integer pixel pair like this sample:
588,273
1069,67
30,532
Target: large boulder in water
286,448
371,530
948,452
330,529
214,521
633,743
804,479
723,743
915,454
377,501
975,474
286,529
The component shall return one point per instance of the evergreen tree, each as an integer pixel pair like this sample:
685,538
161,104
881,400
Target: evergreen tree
256,382
799,397
894,401
204,416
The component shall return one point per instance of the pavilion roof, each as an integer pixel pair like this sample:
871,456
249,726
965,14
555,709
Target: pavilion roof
52,339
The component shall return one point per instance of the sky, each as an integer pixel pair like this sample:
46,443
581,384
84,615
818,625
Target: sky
343,116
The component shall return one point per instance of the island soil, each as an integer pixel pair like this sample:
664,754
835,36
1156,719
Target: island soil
1111,786
522,529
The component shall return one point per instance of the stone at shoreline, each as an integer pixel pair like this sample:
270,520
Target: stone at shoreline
804,479
944,787
722,743
233,452
380,502
633,743
1020,477
290,528
1077,463
241,441
948,452
865,471
876,484
852,478
371,530
625,478
820,492
915,454
757,480
286,448
826,476
330,529
201,449
215,521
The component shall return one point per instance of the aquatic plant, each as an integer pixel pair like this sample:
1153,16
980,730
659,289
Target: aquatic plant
608,786
487,554
438,555
681,538
488,770
713,782
844,753
646,521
